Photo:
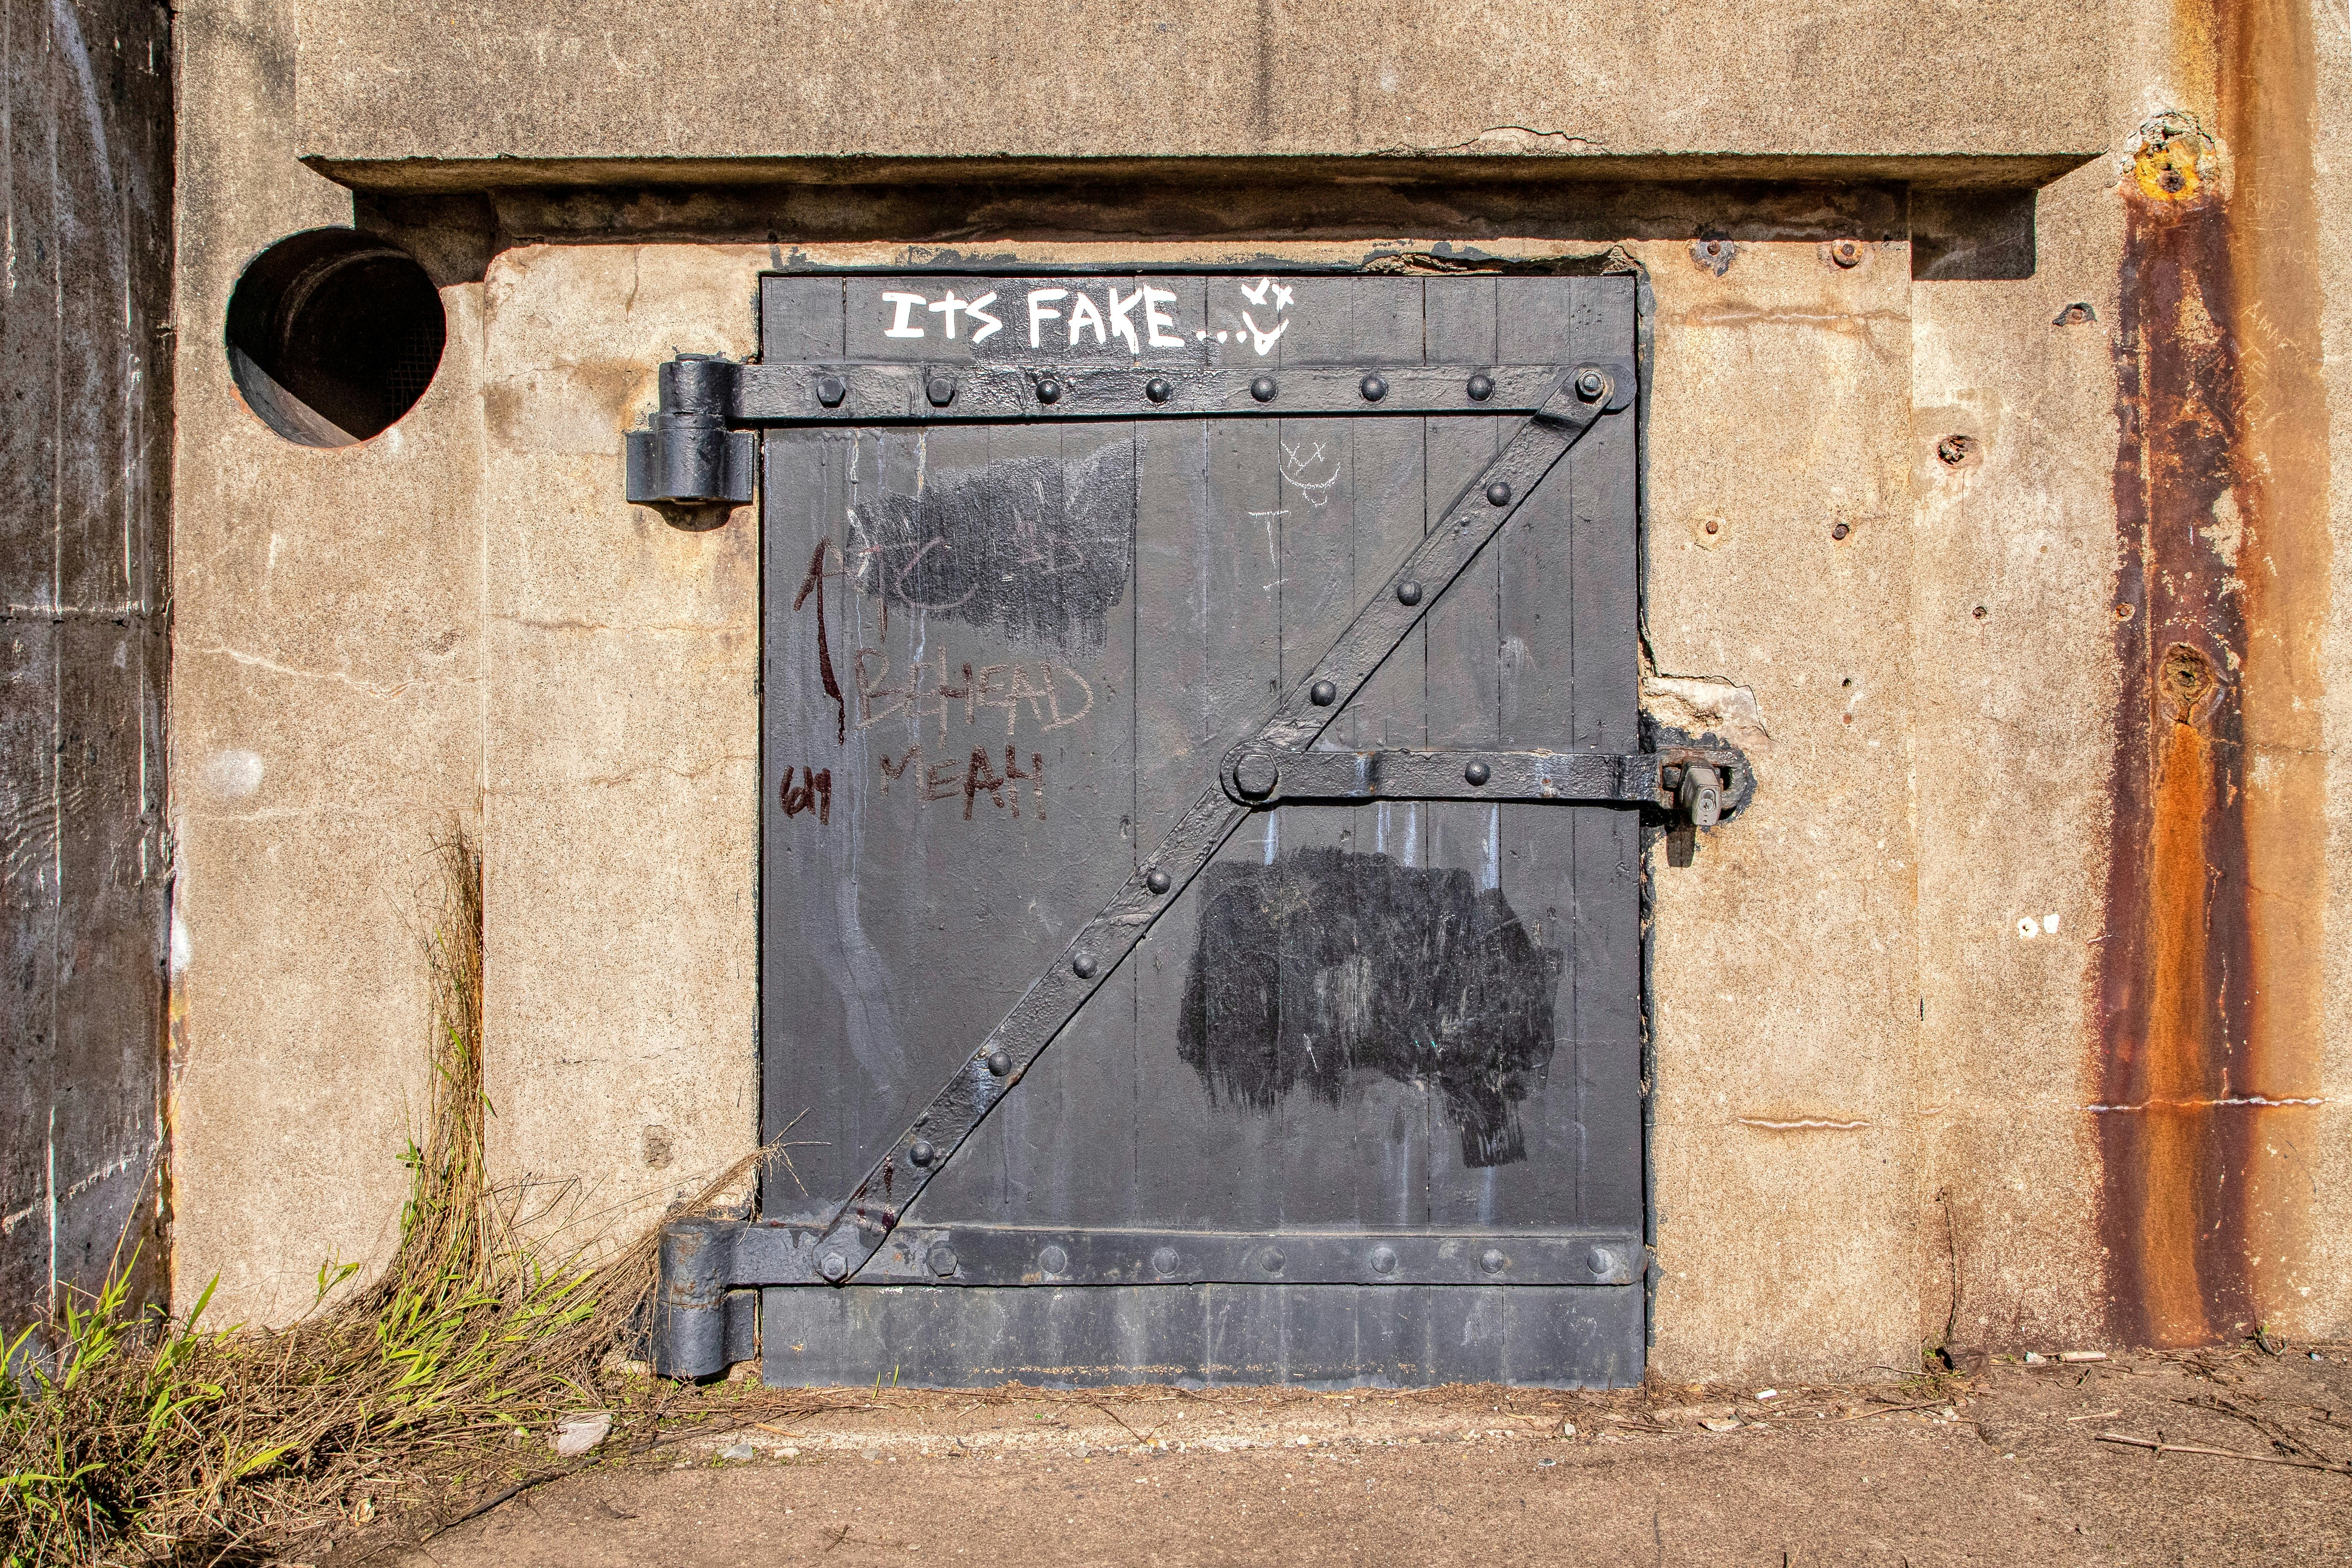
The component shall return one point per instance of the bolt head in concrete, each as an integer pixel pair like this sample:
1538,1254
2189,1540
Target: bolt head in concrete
1054,1260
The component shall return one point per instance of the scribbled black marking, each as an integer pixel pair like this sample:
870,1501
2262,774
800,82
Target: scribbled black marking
1035,546
1328,963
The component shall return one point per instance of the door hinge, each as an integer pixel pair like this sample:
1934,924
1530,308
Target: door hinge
687,457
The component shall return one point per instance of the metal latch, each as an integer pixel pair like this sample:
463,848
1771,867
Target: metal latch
1697,786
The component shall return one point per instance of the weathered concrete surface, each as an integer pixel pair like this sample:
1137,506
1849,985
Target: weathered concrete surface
620,746
1785,963
2011,1469
325,725
2013,633
1893,87
2329,1243
2211,1007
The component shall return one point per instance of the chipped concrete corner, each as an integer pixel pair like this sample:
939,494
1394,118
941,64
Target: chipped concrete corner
2006,1016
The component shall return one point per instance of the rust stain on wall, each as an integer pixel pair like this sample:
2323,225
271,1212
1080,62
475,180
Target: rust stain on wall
2210,975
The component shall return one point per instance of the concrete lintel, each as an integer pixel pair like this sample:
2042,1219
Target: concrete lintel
1938,171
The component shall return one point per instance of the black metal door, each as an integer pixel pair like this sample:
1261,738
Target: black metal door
1120,696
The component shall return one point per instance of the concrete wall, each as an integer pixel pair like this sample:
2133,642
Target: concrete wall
326,727
1926,1066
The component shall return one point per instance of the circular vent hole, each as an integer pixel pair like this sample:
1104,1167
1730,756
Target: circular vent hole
334,335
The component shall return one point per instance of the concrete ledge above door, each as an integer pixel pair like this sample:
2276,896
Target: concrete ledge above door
601,92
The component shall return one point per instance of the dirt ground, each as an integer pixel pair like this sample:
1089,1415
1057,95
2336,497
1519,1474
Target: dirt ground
2006,1466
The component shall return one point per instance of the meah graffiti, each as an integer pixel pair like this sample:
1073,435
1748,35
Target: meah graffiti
1142,317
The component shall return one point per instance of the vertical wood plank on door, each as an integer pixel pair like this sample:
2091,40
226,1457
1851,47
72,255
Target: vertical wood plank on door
1464,693
1209,547
1544,550
1352,507
1041,1158
819,1010
1605,944
804,1013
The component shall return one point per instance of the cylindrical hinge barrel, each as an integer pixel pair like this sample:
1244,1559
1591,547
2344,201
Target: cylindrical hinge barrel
693,461
689,1327
699,386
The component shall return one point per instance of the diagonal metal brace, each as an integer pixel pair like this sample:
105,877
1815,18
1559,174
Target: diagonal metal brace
1475,515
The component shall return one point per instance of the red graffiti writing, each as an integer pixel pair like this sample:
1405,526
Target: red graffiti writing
970,779
813,793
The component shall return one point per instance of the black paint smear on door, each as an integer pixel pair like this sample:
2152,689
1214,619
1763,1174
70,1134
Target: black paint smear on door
1035,546
1327,964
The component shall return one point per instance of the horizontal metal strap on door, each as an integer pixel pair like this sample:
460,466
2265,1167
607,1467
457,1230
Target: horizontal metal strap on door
1020,1255
899,394
1350,777
1266,778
